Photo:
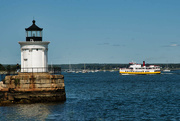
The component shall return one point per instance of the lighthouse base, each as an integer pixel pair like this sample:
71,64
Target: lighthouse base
32,88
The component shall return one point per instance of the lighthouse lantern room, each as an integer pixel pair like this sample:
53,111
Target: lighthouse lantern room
34,33
34,52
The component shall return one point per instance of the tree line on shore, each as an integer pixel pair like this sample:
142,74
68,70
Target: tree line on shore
13,67
8,68
112,66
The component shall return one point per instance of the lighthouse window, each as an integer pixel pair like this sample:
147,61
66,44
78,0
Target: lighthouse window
38,33
33,33
29,34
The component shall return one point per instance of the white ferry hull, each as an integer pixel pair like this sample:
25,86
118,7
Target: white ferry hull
140,73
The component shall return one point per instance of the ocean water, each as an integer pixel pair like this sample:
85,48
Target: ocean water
107,96
2,76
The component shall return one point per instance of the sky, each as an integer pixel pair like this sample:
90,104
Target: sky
94,31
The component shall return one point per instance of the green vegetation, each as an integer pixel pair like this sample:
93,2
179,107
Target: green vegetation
17,82
7,68
2,68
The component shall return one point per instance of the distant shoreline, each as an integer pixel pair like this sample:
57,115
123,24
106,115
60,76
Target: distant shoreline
11,69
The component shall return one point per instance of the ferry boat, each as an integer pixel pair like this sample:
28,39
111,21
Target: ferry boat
166,70
135,68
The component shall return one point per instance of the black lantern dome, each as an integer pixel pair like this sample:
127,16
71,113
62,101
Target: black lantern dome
33,33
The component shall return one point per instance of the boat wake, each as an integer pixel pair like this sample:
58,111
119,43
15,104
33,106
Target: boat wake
167,73
125,74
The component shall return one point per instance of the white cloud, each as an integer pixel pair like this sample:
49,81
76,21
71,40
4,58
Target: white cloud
116,45
103,44
174,45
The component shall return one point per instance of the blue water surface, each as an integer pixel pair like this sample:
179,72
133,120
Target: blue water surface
107,96
2,76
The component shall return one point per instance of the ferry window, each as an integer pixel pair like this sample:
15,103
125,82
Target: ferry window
36,49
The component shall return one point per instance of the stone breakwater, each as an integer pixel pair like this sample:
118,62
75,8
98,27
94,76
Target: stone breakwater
32,88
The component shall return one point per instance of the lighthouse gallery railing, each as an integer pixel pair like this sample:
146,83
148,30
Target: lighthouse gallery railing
40,70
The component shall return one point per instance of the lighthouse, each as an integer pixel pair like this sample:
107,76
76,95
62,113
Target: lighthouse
34,51
34,83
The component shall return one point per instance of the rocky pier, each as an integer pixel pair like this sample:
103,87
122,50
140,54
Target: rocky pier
32,88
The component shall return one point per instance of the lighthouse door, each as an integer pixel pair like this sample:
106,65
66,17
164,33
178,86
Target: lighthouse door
25,59
26,65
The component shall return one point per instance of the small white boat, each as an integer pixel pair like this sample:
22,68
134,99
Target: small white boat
92,71
166,70
96,71
70,71
84,71
111,70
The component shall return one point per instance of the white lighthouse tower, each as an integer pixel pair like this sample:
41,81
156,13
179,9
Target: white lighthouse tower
34,52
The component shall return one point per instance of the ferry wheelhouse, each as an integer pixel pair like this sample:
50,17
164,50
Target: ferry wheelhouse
135,68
